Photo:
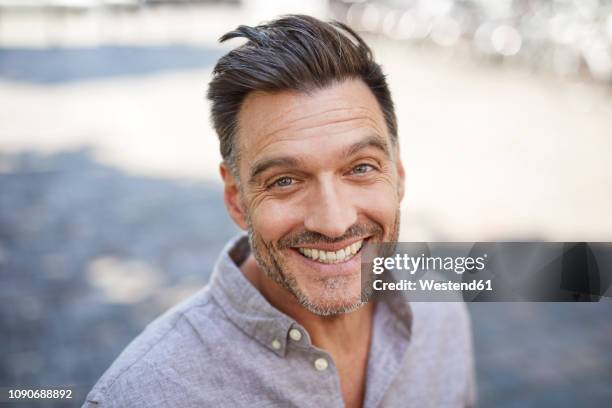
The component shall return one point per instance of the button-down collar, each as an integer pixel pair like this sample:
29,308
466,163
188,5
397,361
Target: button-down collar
244,305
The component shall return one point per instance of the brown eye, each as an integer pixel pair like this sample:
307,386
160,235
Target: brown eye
362,168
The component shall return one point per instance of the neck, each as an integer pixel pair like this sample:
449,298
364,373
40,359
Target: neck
342,331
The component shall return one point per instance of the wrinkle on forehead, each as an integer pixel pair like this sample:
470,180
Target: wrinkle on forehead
299,122
336,128
269,118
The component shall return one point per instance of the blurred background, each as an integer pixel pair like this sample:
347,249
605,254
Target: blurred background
111,207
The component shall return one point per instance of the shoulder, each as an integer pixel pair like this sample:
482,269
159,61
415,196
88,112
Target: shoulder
445,317
438,367
161,355
441,331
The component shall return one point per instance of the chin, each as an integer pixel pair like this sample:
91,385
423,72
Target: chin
334,309
332,295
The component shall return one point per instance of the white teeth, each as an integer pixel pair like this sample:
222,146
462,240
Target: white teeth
327,257
314,254
340,255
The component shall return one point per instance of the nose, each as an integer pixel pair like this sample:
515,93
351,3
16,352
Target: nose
331,211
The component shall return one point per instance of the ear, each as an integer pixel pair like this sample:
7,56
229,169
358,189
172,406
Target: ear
231,196
401,177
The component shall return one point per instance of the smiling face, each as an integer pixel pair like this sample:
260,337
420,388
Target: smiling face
319,178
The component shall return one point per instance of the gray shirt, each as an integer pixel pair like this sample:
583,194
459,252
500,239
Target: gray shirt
227,346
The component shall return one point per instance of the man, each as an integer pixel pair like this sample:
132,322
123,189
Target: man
312,171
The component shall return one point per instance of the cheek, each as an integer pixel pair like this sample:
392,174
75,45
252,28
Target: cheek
379,203
273,219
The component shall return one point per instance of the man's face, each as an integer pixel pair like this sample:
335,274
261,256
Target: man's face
319,178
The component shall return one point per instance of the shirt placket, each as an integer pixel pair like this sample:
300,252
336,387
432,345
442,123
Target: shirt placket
320,367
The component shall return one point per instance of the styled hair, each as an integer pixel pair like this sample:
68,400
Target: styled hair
295,53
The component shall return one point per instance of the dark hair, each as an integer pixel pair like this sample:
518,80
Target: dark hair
294,52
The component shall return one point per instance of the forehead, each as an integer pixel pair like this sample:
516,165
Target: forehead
269,122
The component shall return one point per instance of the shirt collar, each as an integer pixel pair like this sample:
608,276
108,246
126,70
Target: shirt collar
243,304
246,307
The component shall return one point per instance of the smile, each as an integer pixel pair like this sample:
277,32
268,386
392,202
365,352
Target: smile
331,257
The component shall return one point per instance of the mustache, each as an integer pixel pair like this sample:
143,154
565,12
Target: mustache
312,237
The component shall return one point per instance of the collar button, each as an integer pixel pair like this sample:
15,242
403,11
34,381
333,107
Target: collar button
321,364
295,334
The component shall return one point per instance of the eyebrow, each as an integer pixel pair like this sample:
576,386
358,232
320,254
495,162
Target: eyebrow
370,141
265,164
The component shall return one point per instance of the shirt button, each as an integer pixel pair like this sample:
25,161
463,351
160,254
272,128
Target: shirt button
295,334
320,364
276,345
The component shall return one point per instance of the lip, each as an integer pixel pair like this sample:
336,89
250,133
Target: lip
332,247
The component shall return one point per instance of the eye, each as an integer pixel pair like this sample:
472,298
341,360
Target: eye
282,182
363,168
